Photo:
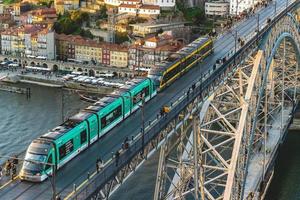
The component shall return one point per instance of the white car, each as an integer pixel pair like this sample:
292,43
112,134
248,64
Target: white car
76,78
87,80
81,79
94,81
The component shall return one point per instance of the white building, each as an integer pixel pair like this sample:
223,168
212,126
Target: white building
218,8
131,2
28,41
112,2
46,44
161,3
142,10
5,43
239,6
12,42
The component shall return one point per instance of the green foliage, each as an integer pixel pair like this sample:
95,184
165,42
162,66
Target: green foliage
86,33
102,12
70,23
160,31
136,20
10,1
46,3
195,14
121,37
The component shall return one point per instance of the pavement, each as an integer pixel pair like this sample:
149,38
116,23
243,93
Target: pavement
75,172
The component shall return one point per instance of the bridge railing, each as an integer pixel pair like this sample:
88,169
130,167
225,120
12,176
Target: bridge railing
209,80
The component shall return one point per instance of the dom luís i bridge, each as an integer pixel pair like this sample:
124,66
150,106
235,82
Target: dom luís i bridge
222,129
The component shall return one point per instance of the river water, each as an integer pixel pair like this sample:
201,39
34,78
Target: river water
23,119
286,181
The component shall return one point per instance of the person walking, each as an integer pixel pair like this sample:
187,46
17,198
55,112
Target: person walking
1,173
13,171
98,164
117,155
7,167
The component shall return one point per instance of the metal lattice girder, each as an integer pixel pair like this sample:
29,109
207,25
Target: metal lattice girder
226,128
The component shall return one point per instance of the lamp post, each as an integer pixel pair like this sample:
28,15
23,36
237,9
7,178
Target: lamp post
143,121
235,35
142,106
258,26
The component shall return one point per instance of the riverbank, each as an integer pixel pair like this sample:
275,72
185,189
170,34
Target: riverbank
52,81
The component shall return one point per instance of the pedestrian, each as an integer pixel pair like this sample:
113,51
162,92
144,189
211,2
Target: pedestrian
14,171
162,111
1,173
15,159
188,93
7,167
99,164
117,155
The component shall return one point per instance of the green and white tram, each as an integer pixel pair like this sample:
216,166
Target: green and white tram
61,144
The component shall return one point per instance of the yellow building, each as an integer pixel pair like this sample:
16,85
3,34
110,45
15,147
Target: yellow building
60,7
65,5
119,56
87,50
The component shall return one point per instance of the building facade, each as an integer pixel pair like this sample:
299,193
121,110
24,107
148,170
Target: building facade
151,51
88,51
141,10
82,49
217,8
239,6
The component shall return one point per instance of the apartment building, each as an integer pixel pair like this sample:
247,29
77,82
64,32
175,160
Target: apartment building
151,51
217,8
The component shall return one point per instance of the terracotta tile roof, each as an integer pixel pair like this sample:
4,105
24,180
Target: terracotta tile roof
130,1
150,7
128,6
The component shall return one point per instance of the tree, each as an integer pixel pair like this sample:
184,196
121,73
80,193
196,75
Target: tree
86,33
103,12
121,37
160,31
199,17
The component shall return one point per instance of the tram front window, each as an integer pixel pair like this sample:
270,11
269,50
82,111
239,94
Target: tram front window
36,165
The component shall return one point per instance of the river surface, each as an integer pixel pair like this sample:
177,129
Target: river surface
286,180
23,119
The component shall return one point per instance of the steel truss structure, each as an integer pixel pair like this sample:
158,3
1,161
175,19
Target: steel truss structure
208,157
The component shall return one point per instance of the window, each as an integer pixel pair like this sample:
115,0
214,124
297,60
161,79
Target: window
111,117
83,137
49,161
66,148
138,97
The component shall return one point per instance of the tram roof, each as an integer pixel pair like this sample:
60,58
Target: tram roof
57,132
81,116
